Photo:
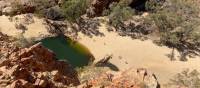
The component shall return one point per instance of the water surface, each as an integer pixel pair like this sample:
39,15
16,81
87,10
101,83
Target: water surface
66,49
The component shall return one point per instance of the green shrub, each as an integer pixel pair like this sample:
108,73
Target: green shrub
74,9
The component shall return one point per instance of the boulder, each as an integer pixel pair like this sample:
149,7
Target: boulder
3,4
7,10
54,13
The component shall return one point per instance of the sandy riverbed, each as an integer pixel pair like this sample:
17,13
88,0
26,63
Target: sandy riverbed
136,54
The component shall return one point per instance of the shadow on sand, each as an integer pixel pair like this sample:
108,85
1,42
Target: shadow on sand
109,65
105,63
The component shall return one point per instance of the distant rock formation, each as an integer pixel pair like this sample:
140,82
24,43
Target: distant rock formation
35,67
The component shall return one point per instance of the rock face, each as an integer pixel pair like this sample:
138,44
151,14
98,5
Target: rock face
35,67
54,13
130,78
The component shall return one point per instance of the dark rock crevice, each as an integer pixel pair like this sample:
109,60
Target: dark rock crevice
138,5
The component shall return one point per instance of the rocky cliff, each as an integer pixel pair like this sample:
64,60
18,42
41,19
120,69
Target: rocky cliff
34,67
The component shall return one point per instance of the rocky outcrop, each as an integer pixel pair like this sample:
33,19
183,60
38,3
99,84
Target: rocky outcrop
6,47
35,67
4,6
54,13
130,78
56,27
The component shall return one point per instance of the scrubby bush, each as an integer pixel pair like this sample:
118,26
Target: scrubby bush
186,79
120,12
154,5
74,9
178,26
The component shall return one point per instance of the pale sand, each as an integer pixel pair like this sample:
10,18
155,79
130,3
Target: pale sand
138,54
35,30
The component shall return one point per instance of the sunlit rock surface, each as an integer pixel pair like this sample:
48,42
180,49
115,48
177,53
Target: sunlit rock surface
35,67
